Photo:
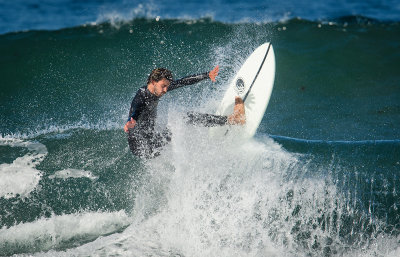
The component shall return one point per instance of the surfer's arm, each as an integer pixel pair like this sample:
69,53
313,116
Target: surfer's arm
189,80
193,79
136,109
129,125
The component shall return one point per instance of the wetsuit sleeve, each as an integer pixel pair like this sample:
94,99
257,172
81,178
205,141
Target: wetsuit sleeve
189,80
137,106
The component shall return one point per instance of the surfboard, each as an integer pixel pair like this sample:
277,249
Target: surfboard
253,83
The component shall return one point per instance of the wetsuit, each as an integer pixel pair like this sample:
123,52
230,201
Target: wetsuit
143,139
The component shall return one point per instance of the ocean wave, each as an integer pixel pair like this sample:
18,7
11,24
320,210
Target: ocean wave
118,21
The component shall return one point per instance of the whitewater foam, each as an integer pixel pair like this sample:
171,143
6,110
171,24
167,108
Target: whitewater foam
21,177
60,231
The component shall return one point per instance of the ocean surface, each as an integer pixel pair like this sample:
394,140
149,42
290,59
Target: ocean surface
321,177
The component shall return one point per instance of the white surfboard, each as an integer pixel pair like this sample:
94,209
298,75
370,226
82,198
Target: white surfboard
253,83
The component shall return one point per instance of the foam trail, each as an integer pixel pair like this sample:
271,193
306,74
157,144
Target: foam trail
73,173
332,142
60,131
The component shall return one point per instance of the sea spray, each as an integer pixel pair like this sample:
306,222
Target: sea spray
247,199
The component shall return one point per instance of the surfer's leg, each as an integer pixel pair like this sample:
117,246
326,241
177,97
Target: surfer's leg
141,145
158,140
167,135
136,144
155,142
238,117
209,120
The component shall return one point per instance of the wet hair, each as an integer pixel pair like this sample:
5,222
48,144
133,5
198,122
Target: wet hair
159,74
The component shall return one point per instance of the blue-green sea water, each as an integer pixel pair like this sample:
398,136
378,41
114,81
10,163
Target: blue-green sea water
321,177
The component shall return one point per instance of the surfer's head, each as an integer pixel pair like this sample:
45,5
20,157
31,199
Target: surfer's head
159,81
159,74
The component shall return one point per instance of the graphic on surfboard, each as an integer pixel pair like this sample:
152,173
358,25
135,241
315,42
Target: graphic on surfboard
253,83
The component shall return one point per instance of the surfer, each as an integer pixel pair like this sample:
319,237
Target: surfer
143,140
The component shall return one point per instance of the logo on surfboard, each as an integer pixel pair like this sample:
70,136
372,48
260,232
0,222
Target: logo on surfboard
240,86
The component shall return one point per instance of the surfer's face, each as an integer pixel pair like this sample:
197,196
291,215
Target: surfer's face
160,87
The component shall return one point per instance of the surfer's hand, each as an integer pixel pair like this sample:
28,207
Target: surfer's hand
214,73
129,125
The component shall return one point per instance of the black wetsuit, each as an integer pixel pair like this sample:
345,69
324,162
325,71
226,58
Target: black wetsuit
143,139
